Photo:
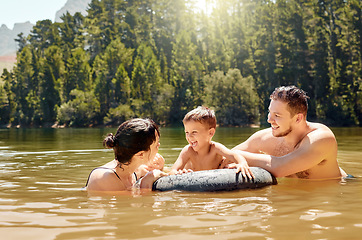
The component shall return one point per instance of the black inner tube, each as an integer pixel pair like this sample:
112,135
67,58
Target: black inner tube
214,180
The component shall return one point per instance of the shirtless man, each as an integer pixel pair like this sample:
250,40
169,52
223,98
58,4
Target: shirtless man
292,146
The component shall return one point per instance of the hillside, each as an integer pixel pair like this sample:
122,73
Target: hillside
73,6
7,36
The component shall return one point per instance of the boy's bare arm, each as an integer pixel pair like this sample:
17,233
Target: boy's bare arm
241,163
181,161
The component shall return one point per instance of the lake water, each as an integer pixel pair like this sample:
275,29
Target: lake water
42,172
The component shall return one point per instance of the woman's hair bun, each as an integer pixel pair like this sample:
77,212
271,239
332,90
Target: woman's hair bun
109,141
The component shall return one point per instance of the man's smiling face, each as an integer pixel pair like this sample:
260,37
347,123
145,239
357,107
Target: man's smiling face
280,118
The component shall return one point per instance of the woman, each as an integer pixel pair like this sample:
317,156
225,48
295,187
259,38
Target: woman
136,143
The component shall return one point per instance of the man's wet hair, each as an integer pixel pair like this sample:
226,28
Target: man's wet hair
296,99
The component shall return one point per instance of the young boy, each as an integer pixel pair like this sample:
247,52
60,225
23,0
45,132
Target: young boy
202,153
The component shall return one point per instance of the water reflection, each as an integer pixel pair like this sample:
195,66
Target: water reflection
160,214
210,214
42,172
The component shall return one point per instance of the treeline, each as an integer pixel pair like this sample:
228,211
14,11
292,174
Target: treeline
160,59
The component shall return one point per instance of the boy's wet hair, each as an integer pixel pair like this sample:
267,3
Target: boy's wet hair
203,115
296,99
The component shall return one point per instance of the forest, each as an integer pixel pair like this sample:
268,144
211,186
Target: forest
162,58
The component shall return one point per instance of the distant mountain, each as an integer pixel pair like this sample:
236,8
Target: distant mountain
7,36
73,6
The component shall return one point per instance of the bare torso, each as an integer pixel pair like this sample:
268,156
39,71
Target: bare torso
323,167
198,162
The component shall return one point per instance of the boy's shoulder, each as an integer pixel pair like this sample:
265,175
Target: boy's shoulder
187,150
215,145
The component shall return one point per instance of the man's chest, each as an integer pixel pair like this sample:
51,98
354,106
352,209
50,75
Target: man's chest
276,148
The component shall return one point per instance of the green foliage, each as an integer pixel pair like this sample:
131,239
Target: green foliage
79,112
51,73
117,115
186,76
4,107
105,69
77,73
160,59
238,108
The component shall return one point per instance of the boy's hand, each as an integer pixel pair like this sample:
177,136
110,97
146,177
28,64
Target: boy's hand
156,174
242,167
157,163
148,180
225,163
142,170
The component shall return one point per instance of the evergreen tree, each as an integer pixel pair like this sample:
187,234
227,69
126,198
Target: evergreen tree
239,108
186,76
105,69
7,107
23,86
50,82
77,73
161,58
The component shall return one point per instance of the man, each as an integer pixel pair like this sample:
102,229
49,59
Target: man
292,146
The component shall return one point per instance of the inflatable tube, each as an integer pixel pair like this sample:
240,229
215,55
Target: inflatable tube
214,180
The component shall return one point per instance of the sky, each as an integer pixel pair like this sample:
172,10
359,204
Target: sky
19,11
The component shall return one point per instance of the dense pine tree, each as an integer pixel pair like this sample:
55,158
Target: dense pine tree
162,58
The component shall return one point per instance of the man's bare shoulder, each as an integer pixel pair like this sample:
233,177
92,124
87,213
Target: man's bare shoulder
318,126
255,142
262,135
319,130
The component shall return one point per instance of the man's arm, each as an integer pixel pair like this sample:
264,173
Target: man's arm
314,148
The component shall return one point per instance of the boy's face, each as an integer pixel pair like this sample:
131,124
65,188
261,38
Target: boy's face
198,135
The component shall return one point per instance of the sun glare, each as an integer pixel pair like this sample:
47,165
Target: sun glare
200,4
203,6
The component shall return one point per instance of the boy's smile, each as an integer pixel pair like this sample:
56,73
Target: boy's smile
197,134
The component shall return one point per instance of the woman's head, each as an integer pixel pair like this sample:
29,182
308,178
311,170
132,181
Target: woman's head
132,136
